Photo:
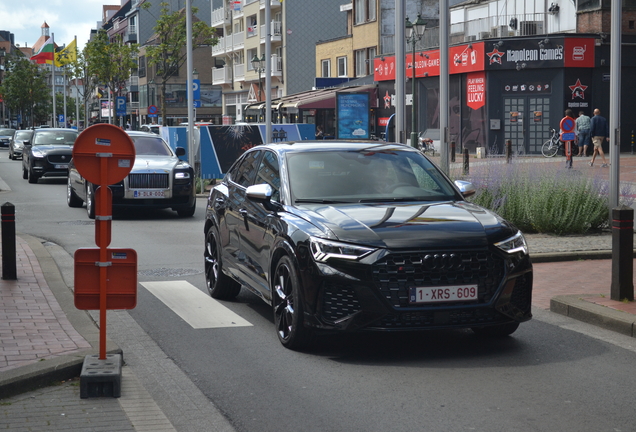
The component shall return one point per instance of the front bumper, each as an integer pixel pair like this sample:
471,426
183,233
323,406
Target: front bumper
374,295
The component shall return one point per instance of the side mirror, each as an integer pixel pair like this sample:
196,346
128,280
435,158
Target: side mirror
27,143
262,193
180,151
465,187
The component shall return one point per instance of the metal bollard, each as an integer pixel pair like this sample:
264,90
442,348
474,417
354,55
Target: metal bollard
508,151
9,270
622,253
452,148
466,163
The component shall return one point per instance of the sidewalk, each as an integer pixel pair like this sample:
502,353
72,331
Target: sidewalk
44,338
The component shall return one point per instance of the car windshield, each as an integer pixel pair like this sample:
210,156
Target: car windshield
368,175
53,137
23,135
149,145
5,132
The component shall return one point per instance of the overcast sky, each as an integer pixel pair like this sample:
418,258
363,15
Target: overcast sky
66,19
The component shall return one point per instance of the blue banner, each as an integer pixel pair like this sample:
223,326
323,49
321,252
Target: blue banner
352,111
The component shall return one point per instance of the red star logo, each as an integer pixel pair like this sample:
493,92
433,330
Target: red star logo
495,56
387,100
578,89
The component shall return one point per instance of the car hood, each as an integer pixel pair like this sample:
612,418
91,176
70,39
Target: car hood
148,163
410,225
54,148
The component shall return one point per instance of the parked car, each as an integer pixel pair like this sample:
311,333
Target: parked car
48,153
16,145
345,236
159,179
6,134
152,128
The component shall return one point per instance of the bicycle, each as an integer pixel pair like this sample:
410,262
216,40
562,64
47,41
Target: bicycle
551,147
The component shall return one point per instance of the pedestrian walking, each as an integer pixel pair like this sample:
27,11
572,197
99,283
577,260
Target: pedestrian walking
583,124
600,133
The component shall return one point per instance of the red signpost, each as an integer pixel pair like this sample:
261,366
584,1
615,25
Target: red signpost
104,154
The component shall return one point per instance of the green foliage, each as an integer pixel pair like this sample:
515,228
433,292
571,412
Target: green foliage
25,91
110,62
541,198
167,51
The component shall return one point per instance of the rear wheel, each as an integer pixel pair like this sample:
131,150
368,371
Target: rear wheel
501,330
549,148
288,307
220,286
71,197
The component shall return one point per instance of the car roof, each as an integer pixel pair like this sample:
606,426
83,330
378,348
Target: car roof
55,130
333,145
142,133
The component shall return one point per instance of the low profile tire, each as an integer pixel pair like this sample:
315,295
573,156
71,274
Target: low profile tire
90,201
25,173
71,197
189,212
288,307
220,286
501,330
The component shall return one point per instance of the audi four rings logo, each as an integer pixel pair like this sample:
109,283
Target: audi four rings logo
441,261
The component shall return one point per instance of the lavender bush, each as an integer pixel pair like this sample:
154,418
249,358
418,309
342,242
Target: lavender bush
542,197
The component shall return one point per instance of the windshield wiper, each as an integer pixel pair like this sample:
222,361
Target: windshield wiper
319,201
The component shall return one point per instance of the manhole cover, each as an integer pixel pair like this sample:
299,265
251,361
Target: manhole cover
169,272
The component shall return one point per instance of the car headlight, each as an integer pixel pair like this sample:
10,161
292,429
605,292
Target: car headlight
322,250
182,175
37,153
516,243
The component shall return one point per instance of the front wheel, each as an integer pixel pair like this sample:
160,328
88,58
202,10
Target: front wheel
288,307
90,201
549,148
220,286
71,197
33,178
189,212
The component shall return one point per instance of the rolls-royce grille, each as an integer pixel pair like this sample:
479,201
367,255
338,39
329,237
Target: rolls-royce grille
148,181
397,272
338,301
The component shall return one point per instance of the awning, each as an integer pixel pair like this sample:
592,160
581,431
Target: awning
321,98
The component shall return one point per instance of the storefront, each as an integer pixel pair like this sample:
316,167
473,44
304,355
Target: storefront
500,89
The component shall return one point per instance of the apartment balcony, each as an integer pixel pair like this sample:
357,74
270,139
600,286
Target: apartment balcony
276,29
272,3
235,42
529,24
131,34
277,66
222,75
219,49
221,17
239,72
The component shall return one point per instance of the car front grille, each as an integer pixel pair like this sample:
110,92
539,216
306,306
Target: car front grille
338,301
397,272
58,158
148,181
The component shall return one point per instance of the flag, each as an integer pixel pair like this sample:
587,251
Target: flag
67,55
45,55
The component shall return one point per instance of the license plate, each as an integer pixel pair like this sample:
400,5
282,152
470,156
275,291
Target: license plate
61,166
149,194
443,294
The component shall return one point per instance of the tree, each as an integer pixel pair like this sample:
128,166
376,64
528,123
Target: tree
84,84
110,62
166,50
25,91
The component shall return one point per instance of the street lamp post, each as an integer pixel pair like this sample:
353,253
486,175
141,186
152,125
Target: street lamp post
259,66
415,31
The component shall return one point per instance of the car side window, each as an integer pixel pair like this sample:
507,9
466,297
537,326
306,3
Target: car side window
268,172
246,169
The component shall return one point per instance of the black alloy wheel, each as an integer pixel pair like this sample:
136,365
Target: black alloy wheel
220,286
71,197
288,308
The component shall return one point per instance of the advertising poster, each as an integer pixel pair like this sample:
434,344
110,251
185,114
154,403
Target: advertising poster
353,115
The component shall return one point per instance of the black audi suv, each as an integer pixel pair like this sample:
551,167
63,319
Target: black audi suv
353,236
